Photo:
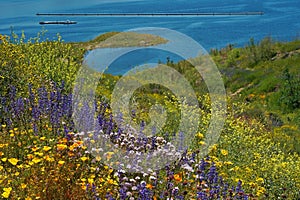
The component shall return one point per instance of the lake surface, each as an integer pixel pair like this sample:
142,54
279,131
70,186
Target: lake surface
281,19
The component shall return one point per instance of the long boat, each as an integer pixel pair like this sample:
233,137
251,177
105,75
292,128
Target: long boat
58,22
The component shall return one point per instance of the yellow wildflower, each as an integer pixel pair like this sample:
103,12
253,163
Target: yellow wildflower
39,153
253,185
236,168
34,148
224,152
90,181
30,156
61,147
3,145
84,147
214,147
61,162
260,191
251,95
20,166
98,158
228,163
46,148
42,138
109,155
260,180
48,158
149,186
6,192
177,177
73,146
36,160
218,164
84,158
111,181
200,135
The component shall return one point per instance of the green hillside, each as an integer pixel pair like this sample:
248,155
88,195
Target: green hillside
266,76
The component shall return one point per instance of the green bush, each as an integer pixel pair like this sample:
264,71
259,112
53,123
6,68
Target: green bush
290,92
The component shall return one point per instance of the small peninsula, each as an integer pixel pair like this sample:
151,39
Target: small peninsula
122,39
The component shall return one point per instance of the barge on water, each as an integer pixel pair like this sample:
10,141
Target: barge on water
58,22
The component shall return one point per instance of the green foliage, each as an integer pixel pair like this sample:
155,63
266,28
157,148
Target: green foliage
232,58
290,92
288,46
37,63
263,51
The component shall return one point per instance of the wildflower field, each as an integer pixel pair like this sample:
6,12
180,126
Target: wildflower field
43,156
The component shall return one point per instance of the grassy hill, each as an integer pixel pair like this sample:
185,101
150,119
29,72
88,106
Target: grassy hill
266,76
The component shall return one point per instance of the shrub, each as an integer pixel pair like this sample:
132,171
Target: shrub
290,92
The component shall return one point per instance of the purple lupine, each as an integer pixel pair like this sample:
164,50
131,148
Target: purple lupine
35,112
175,191
100,119
110,125
16,109
201,195
94,188
31,94
109,196
12,93
153,141
122,193
193,157
225,189
35,128
87,187
43,103
212,174
239,187
19,106
184,159
3,107
69,105
54,118
58,99
65,105
202,165
181,138
144,193
83,117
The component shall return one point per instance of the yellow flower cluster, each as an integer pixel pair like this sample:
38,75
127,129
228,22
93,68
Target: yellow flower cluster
249,154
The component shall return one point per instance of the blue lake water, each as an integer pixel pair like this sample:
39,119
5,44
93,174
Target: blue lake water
281,19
